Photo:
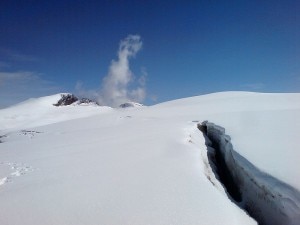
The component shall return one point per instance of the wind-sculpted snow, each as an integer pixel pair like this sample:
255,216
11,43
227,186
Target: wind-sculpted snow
265,198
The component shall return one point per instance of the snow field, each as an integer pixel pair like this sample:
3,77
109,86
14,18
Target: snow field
143,165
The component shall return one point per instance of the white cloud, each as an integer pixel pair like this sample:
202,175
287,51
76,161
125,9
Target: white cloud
21,85
115,85
17,77
17,56
18,85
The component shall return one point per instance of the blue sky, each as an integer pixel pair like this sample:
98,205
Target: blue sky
188,47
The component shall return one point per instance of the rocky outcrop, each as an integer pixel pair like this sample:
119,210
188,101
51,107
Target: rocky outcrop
86,101
130,104
69,99
66,99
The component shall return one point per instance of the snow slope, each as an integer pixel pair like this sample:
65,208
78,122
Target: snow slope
145,165
40,111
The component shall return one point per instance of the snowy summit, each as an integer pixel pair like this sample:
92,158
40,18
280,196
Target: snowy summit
69,99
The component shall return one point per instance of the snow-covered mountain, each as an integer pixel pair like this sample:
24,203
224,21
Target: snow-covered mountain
160,164
47,110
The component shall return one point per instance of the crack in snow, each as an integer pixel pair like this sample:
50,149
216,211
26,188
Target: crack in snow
263,197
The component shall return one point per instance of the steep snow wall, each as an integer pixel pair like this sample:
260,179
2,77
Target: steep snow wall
265,198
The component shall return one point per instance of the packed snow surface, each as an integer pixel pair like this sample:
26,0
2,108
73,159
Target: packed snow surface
145,165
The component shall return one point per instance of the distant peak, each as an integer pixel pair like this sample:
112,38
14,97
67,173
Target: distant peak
130,104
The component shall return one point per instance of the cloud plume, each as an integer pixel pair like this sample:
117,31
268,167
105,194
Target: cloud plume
117,84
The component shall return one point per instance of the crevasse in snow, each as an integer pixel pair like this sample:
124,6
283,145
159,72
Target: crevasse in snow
265,198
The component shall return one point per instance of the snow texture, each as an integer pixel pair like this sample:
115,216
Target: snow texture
147,165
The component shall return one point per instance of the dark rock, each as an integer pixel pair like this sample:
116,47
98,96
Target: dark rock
86,101
66,99
2,136
130,104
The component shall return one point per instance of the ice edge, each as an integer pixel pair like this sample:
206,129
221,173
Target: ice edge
268,200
